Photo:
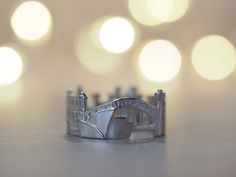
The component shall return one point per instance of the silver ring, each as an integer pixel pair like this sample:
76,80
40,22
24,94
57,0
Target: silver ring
115,119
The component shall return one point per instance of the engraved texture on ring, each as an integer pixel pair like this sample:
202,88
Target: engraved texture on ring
115,119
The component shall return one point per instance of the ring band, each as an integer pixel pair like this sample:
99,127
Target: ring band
115,119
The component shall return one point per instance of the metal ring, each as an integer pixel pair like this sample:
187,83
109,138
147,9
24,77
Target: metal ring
115,119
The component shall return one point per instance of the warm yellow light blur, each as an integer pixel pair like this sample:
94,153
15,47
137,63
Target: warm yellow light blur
159,61
10,65
160,9
31,21
155,12
141,12
117,35
180,7
213,57
92,56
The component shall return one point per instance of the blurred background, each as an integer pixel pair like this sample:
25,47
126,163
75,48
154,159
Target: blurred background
185,47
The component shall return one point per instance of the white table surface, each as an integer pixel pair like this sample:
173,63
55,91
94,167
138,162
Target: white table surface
60,156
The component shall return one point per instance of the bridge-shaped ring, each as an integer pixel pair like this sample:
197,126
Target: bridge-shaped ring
115,119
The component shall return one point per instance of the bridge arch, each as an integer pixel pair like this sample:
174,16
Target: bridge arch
131,114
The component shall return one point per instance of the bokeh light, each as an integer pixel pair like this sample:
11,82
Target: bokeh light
117,35
155,12
160,9
10,65
180,7
159,61
91,55
213,57
31,21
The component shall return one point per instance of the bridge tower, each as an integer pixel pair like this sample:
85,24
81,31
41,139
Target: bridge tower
159,102
82,105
